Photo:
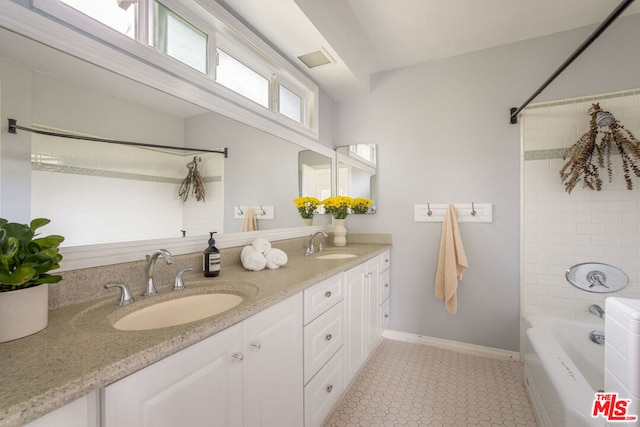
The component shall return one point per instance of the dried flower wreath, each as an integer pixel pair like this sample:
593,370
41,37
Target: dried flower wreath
588,154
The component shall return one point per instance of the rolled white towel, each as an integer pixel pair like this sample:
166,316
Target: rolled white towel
275,258
251,259
261,245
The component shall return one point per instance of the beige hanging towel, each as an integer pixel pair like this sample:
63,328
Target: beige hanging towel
452,261
250,223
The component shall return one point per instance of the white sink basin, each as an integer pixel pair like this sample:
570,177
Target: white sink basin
178,311
336,256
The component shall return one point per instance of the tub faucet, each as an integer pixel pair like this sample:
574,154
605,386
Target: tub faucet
309,249
597,310
151,262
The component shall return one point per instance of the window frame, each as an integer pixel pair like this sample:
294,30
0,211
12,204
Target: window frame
225,31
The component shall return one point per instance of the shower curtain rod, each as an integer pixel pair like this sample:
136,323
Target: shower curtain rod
13,127
598,31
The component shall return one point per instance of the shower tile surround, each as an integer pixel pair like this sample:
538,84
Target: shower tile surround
560,229
145,180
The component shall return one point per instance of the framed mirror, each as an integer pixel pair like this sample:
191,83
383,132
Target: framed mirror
357,172
101,188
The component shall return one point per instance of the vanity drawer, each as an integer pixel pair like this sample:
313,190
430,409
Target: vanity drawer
323,296
383,286
385,261
323,392
383,313
322,339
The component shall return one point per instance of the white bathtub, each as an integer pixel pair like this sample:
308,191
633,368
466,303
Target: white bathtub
563,371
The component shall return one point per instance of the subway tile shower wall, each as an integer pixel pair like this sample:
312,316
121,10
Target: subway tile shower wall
561,229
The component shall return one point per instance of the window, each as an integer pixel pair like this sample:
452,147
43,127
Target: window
241,79
179,39
202,44
119,15
290,104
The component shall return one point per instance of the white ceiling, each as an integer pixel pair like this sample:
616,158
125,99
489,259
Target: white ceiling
368,36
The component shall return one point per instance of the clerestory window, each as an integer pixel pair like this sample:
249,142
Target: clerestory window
172,28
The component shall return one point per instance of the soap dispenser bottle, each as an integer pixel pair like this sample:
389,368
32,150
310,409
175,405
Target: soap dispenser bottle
211,259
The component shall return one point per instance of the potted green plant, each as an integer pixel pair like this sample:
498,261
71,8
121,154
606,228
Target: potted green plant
25,260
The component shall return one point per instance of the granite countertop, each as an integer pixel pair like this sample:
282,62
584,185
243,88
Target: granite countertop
80,351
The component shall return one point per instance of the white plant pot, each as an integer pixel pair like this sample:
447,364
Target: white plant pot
23,312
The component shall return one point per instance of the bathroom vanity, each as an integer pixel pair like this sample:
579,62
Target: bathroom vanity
287,352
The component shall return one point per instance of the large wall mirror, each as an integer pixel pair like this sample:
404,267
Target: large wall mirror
98,193
357,172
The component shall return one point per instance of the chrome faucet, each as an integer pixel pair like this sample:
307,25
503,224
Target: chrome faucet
151,262
309,249
597,310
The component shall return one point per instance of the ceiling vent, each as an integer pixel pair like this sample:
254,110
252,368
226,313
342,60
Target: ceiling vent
316,59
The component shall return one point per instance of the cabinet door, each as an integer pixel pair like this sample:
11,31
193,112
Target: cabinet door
273,394
199,386
356,321
82,412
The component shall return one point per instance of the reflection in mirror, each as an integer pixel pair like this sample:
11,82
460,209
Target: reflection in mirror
111,193
314,175
126,193
357,172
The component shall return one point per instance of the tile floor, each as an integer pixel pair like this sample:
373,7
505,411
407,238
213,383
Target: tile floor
406,384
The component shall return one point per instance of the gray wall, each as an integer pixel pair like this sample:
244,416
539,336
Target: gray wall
443,136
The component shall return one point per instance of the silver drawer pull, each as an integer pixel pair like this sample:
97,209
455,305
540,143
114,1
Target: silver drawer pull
237,357
329,388
328,337
386,285
327,294
255,345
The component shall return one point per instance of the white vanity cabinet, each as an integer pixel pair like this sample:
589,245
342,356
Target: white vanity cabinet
82,412
249,374
323,341
364,286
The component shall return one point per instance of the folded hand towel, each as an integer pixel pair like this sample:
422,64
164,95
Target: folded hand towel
249,223
275,258
261,245
452,261
251,259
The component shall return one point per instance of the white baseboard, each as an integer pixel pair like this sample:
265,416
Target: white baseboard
474,349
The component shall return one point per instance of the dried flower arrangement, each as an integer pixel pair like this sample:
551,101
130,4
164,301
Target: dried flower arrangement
588,154
193,183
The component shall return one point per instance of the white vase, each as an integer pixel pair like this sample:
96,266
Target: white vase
339,232
23,312
308,221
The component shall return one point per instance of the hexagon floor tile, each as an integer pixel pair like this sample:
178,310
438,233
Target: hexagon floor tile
407,384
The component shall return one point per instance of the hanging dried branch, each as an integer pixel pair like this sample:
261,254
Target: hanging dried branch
193,183
581,163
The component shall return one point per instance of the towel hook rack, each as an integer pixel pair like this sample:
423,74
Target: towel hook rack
262,211
240,211
473,209
429,213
